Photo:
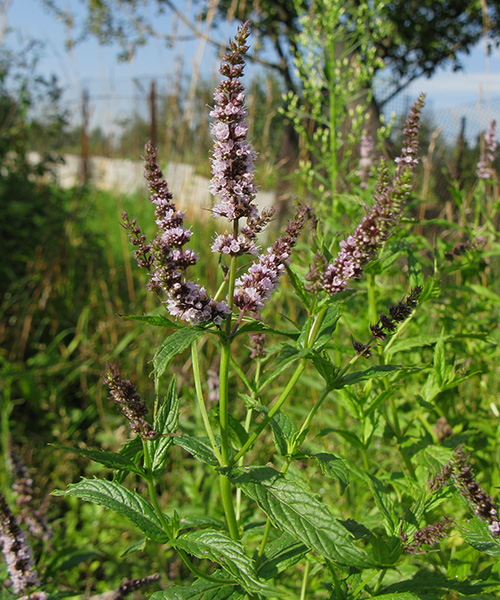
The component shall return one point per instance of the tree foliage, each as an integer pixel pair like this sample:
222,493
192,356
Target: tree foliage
423,34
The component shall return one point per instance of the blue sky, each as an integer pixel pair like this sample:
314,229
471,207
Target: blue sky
96,67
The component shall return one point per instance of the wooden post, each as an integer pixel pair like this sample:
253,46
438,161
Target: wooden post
84,151
152,113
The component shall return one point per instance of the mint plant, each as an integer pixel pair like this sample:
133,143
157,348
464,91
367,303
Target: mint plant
272,531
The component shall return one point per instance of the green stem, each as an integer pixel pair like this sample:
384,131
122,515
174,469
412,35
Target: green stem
225,485
201,403
275,408
164,521
304,580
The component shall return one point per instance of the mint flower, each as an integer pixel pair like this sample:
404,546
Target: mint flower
258,283
375,228
166,258
233,158
17,551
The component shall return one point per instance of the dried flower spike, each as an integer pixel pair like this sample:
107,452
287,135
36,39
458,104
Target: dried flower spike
483,505
130,402
398,313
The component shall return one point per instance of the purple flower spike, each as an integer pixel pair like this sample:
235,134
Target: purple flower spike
17,551
166,258
362,246
261,279
233,157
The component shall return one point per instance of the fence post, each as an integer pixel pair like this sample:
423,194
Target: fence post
152,113
84,151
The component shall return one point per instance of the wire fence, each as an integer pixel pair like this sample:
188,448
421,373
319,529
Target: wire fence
116,122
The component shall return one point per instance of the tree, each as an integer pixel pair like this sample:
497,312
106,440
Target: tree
423,34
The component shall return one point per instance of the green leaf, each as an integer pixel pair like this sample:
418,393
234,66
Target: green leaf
479,537
325,368
374,372
110,460
287,355
174,345
119,499
218,547
334,467
201,590
299,287
380,496
259,327
439,363
137,545
200,448
166,422
280,555
296,510
328,327
157,320
284,430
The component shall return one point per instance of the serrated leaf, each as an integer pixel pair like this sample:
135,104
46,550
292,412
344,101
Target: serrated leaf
299,287
380,496
479,537
328,327
287,355
119,499
166,422
259,327
200,448
374,372
157,320
325,368
133,450
334,467
110,460
174,345
295,509
280,555
284,430
201,590
217,546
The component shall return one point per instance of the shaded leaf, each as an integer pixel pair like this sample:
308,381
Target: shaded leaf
334,467
281,554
